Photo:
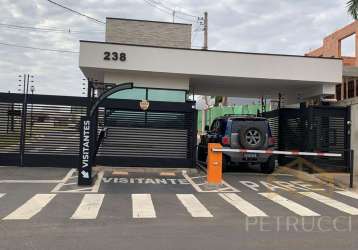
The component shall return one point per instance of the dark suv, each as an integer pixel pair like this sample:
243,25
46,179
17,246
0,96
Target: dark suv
244,132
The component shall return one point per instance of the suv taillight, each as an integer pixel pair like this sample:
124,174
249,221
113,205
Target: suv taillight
272,141
225,140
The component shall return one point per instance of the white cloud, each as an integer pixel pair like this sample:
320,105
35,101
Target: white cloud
275,26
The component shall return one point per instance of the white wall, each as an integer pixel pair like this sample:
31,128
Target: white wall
141,79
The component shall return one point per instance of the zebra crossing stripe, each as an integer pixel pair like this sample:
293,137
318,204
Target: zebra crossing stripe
289,204
332,203
2,195
194,206
89,207
244,206
30,207
349,194
142,206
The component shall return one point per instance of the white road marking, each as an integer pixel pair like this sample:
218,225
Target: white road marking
30,207
291,205
64,180
197,187
2,195
193,205
244,206
72,174
143,206
98,182
89,207
332,203
349,194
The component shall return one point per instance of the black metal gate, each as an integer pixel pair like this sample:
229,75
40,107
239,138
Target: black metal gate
162,136
313,129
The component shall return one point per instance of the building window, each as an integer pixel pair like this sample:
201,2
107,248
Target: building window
160,95
130,94
351,89
345,90
166,95
339,92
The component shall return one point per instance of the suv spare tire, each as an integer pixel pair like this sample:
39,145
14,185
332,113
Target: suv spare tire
252,137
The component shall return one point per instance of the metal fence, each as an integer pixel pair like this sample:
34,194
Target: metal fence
45,132
313,129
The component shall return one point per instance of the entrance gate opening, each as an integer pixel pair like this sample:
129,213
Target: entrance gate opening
162,134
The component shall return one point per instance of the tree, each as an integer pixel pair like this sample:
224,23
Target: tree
352,6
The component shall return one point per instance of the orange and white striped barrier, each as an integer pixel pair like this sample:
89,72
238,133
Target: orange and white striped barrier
276,152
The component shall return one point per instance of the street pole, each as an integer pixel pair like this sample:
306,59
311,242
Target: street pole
23,118
32,89
205,47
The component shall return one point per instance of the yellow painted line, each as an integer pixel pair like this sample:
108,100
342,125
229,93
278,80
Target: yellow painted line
167,174
119,173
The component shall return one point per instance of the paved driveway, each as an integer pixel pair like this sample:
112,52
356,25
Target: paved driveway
43,208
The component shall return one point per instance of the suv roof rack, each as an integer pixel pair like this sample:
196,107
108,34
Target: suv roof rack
241,115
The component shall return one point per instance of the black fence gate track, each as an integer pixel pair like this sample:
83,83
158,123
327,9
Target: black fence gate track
313,129
51,137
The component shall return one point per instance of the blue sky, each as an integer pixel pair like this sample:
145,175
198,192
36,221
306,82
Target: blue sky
275,26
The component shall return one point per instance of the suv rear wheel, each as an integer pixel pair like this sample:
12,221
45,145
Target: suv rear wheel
225,163
269,166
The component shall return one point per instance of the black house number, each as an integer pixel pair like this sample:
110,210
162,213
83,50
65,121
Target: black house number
114,56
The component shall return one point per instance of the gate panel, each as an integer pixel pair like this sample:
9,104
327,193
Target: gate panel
319,129
52,135
10,131
328,132
148,138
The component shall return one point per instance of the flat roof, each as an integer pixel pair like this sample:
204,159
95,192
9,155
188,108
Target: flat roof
215,72
148,21
218,51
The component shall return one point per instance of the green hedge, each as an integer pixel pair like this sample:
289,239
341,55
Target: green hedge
214,112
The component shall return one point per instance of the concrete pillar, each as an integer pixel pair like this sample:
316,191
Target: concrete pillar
203,120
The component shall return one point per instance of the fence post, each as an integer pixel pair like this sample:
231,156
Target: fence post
351,166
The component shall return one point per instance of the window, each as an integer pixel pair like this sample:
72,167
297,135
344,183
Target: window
345,90
351,89
339,92
159,95
130,94
165,95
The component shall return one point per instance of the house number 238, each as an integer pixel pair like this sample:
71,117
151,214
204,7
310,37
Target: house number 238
115,56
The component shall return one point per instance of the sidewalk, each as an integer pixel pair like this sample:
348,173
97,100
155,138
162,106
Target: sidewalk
337,179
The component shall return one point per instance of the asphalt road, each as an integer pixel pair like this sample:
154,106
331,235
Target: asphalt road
40,208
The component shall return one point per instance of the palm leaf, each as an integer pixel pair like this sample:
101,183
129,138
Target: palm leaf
352,6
